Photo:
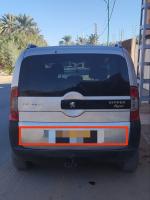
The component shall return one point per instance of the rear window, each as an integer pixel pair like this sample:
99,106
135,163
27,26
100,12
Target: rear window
88,74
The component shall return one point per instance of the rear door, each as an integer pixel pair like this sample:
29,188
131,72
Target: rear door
88,90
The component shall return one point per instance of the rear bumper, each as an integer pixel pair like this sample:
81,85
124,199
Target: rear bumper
112,155
104,153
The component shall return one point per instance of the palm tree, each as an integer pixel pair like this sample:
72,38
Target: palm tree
27,24
8,24
0,27
93,39
67,40
81,41
61,43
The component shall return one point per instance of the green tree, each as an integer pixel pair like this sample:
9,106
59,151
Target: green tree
8,55
8,24
26,24
66,40
81,41
23,39
16,32
61,42
93,39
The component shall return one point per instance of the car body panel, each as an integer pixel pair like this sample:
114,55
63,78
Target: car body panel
48,111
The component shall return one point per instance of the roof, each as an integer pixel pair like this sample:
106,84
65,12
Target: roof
73,49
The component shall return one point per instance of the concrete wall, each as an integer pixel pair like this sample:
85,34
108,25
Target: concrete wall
132,47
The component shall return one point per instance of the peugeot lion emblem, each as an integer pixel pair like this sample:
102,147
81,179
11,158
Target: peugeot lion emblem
72,104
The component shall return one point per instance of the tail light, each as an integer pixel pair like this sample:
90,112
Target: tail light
134,115
14,104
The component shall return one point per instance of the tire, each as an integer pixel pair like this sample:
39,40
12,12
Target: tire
131,164
19,163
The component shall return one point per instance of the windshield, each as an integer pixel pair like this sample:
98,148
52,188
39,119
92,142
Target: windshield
88,74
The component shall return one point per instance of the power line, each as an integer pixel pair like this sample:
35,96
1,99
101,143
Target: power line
113,9
106,1
109,18
108,32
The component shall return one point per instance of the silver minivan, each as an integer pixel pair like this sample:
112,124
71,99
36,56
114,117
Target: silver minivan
75,101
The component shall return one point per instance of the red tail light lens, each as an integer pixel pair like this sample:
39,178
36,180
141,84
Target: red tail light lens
134,115
14,105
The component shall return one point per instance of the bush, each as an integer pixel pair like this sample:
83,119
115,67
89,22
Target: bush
14,40
8,55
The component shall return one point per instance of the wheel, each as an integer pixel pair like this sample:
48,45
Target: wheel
19,163
131,164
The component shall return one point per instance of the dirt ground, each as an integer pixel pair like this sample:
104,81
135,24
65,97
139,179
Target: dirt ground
145,145
5,79
145,139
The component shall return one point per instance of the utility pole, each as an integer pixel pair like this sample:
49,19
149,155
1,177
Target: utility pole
108,10
121,35
95,28
108,19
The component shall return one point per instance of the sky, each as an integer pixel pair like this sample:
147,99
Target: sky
57,18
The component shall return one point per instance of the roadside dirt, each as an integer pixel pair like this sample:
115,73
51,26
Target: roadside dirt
5,79
145,108
145,139
145,144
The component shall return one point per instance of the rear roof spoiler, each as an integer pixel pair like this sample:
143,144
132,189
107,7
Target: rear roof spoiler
31,46
119,44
